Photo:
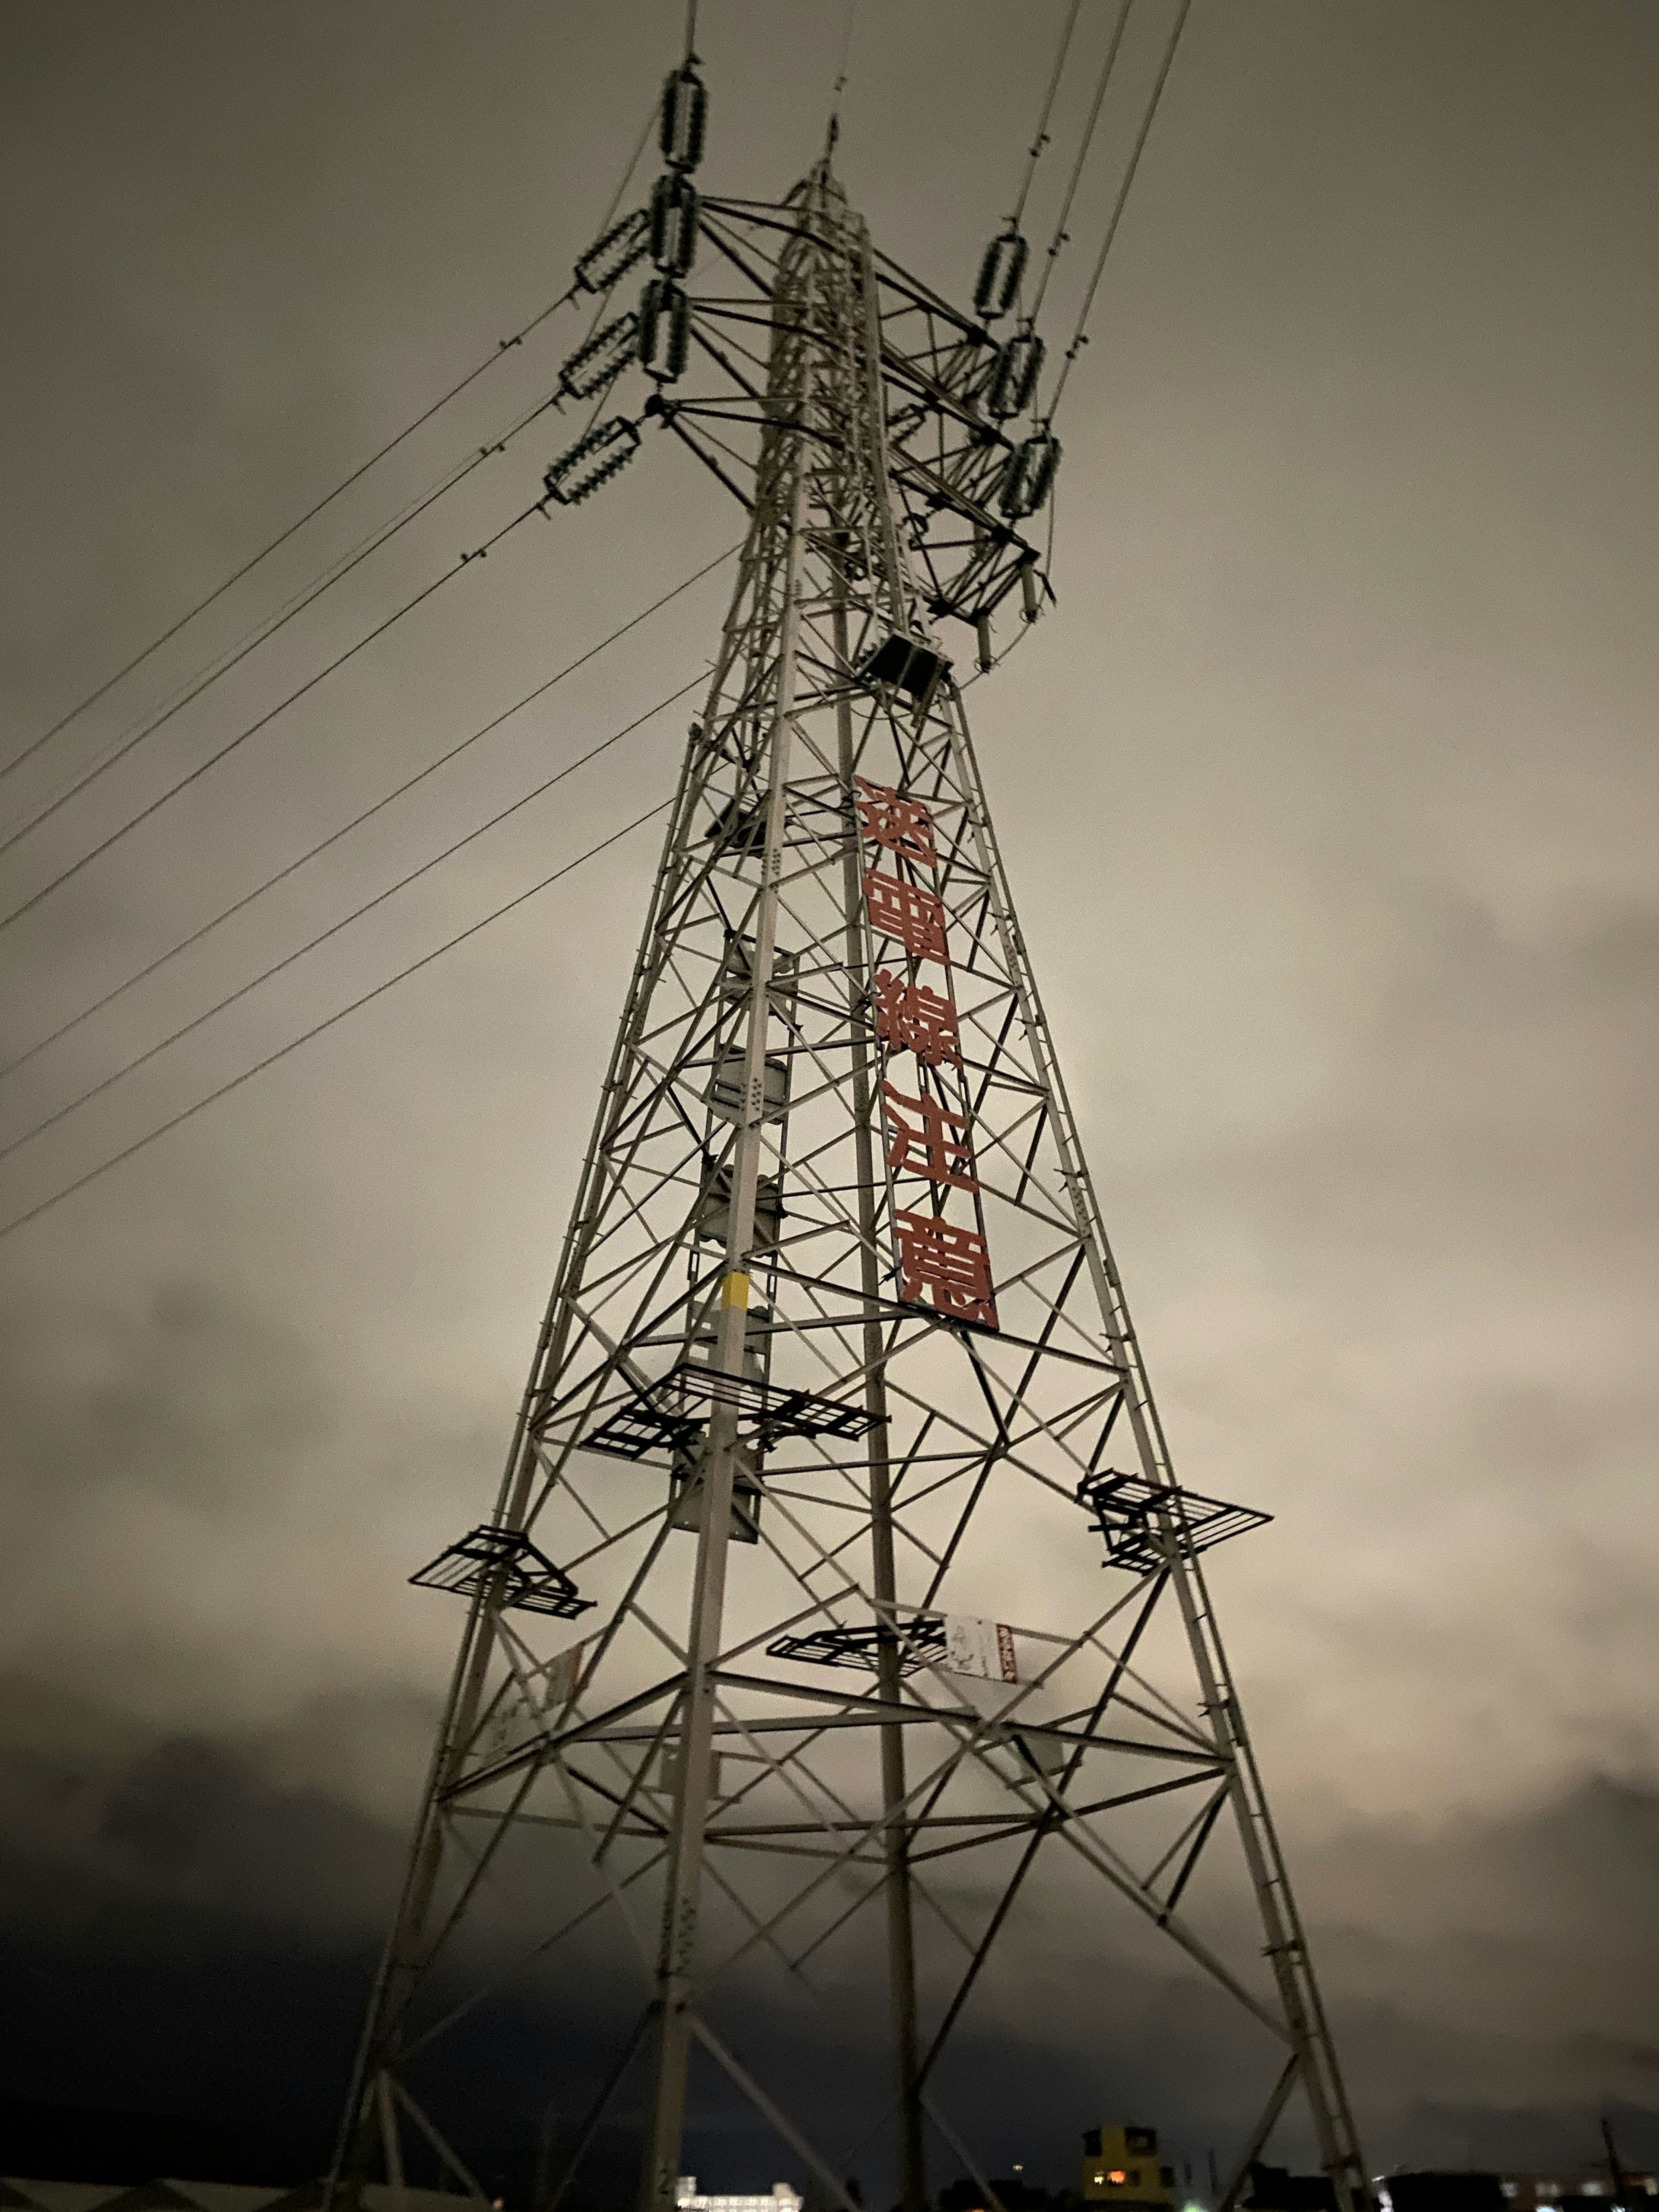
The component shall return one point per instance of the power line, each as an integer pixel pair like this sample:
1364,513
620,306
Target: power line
223,667
219,665
282,537
276,967
334,836
252,728
1105,80
222,662
208,675
503,346
271,1059
1041,138
1079,339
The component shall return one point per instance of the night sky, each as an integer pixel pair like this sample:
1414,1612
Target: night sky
1327,793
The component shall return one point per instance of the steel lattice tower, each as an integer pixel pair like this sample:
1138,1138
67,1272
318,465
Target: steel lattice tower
835,1312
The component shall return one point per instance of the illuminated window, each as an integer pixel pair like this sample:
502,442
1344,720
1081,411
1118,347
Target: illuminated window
1117,2177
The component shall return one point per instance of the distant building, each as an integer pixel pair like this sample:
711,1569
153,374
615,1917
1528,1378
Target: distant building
1571,2189
1121,2166
1568,2189
1441,2192
781,2197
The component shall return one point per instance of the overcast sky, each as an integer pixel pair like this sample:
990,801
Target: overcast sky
1327,792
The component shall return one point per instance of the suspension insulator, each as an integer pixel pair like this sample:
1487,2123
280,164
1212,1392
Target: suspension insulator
684,118
592,461
615,254
999,273
674,205
1014,379
601,360
1029,476
665,329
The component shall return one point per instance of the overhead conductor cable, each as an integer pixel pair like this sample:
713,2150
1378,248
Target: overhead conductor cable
278,967
292,867
1041,138
209,676
139,1144
254,727
503,346
1059,236
1079,337
1002,268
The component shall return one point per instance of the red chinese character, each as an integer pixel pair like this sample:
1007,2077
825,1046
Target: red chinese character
904,825
911,1018
943,1155
954,1264
916,917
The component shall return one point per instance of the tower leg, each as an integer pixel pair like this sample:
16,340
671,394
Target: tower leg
676,1958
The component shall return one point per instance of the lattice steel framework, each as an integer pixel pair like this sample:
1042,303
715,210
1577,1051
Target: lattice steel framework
836,1339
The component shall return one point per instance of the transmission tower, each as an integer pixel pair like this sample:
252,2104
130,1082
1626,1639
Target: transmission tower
835,1315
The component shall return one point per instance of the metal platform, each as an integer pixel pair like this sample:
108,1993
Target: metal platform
919,1641
505,1556
653,1420
1123,1507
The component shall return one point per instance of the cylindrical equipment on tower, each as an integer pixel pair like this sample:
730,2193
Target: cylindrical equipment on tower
1013,381
674,206
665,329
999,275
1029,476
684,118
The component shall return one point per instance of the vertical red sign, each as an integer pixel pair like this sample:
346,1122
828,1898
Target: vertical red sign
944,1258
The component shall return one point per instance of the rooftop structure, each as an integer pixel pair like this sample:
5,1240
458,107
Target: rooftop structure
781,2197
1536,2192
